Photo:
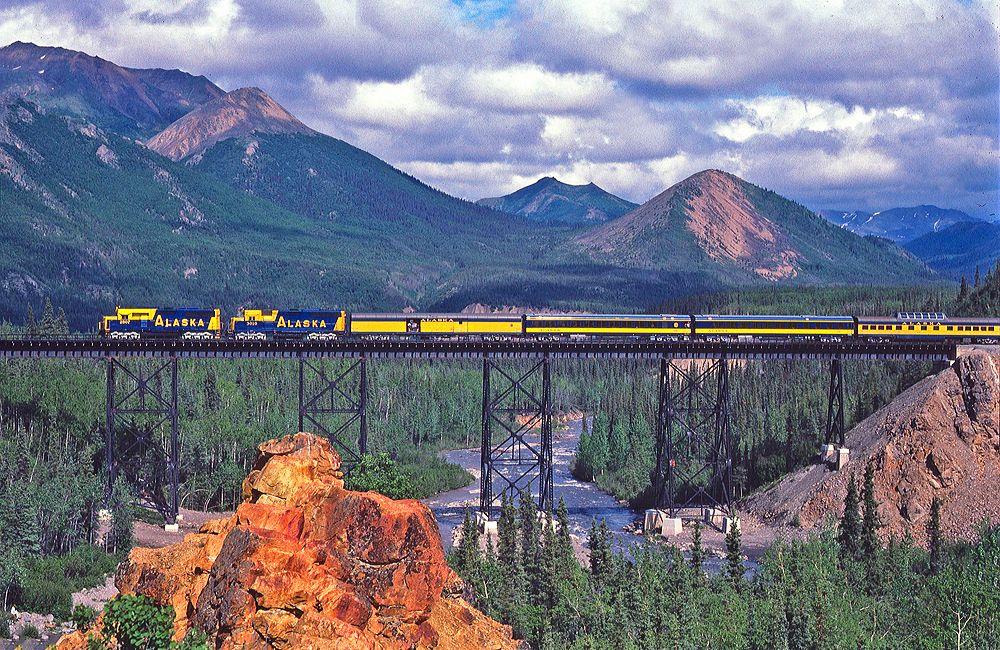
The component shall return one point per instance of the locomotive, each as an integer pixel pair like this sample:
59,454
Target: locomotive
305,324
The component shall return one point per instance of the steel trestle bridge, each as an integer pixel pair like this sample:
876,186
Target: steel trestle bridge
693,464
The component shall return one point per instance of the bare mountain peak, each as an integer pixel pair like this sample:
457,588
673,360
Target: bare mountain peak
719,215
239,113
130,101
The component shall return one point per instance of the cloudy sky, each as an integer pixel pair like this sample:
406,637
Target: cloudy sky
842,104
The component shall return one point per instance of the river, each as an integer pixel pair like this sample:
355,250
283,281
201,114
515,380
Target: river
584,501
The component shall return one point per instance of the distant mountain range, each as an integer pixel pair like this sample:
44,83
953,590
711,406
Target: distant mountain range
132,102
248,206
960,248
551,200
901,225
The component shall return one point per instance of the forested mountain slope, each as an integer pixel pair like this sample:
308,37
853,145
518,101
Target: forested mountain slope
960,248
92,220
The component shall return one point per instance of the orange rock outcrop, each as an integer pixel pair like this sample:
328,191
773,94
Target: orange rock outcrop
304,563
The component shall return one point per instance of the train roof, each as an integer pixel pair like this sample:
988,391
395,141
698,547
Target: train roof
442,316
845,319
599,316
882,320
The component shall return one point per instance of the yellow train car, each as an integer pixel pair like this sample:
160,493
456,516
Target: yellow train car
653,326
817,327
128,323
436,325
927,326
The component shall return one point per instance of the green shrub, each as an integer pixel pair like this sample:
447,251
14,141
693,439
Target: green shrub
430,474
83,616
87,565
137,623
47,596
29,631
380,473
4,625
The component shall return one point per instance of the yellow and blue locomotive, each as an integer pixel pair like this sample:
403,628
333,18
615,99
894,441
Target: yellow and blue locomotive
311,324
182,323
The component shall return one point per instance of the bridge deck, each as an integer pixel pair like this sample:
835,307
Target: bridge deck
95,348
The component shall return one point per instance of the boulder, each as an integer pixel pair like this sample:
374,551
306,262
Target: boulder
305,563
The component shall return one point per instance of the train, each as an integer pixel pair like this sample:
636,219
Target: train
306,324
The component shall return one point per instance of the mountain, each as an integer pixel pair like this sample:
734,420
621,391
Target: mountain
960,248
551,200
131,102
239,113
424,242
898,224
93,220
725,228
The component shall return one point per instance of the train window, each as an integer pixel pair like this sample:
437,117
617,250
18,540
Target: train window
899,328
923,328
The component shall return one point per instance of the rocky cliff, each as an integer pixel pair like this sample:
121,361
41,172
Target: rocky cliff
304,563
940,438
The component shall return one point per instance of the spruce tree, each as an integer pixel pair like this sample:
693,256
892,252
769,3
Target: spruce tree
565,553
599,542
963,289
599,445
850,523
31,326
508,559
530,538
48,324
507,536
469,560
549,564
734,551
977,282
617,445
871,522
697,550
119,538
934,536
61,327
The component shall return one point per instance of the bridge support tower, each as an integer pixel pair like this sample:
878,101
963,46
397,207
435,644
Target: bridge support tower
694,464
335,405
835,433
517,409
140,405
